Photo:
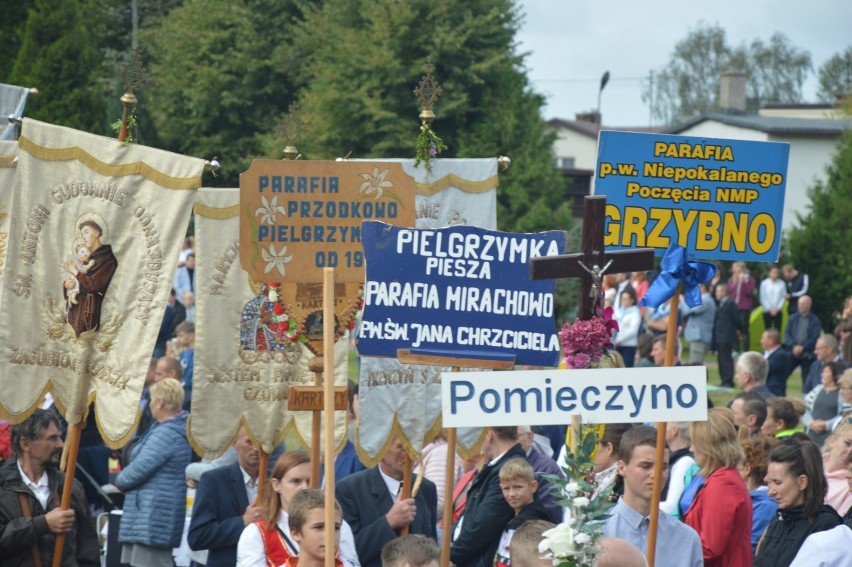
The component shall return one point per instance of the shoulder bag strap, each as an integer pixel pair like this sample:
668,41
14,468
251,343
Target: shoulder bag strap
25,507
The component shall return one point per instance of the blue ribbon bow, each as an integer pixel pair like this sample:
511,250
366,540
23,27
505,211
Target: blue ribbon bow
677,267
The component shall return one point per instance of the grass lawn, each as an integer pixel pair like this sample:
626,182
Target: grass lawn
722,396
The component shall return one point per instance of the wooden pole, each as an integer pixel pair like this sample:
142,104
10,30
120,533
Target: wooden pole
405,493
73,441
261,478
574,439
128,100
405,356
328,408
671,345
449,485
316,366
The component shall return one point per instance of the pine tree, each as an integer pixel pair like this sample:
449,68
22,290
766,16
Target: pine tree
12,22
818,246
59,56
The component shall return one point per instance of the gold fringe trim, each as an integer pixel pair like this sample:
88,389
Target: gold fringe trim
217,213
452,180
108,169
290,429
63,410
396,431
7,161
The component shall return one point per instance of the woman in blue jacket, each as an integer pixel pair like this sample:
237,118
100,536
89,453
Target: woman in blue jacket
154,483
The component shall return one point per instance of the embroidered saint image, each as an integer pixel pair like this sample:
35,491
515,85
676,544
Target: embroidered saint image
88,275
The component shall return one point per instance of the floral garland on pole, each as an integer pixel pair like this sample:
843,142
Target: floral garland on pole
575,543
429,144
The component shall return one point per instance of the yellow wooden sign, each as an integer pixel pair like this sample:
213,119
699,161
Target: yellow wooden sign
297,217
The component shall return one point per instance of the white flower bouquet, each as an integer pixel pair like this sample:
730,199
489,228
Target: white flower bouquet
574,543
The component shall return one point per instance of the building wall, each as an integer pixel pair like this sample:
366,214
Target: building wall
570,143
809,157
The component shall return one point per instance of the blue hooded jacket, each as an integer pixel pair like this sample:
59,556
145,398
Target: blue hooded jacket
763,510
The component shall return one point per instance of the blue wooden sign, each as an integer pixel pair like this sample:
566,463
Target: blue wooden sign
458,291
719,199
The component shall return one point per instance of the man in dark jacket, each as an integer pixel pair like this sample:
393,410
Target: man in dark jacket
727,326
376,512
800,336
30,496
477,533
225,504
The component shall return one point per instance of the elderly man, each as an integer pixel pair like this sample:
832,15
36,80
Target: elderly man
800,336
373,506
30,515
826,350
778,359
751,372
541,464
225,504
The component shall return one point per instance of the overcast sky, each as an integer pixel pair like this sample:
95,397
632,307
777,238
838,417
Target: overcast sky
572,42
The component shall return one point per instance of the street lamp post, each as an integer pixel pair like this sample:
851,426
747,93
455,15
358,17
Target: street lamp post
604,81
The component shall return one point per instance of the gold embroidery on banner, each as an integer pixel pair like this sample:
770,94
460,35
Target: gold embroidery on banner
452,180
218,213
108,169
58,328
7,161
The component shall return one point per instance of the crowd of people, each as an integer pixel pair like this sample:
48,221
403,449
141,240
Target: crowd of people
764,481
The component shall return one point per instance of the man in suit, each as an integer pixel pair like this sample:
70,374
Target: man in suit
225,504
728,324
779,362
826,350
373,508
699,325
800,336
478,531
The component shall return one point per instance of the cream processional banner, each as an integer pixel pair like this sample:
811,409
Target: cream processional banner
93,246
8,153
405,400
252,340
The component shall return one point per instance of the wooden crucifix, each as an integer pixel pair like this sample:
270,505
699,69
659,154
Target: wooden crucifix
593,260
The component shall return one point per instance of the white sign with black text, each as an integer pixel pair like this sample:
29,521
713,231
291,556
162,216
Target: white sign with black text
601,395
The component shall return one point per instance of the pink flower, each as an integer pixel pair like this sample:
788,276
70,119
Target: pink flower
579,360
584,342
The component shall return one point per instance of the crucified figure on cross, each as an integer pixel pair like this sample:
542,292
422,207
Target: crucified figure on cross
593,254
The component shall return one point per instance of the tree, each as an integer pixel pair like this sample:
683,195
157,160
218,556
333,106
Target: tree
217,87
59,56
835,76
816,244
689,84
11,33
359,62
